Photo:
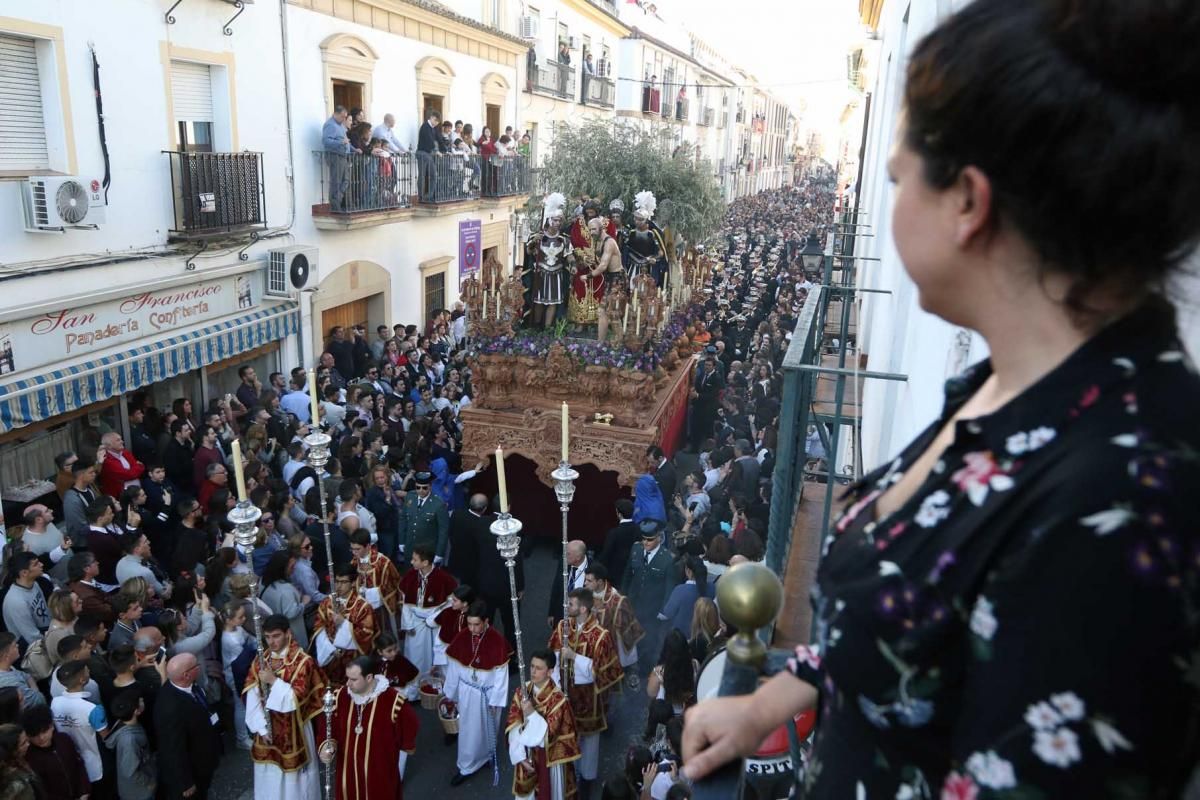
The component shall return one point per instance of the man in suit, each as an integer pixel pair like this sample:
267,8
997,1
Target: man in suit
658,465
577,564
466,525
705,394
427,147
189,739
649,578
492,576
425,519
743,455
619,541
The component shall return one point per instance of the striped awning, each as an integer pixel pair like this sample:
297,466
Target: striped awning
45,396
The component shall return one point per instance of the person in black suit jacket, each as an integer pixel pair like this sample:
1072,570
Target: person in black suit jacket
492,575
468,526
427,146
663,471
705,395
189,741
577,563
619,541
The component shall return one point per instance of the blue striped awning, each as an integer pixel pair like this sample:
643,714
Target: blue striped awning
49,394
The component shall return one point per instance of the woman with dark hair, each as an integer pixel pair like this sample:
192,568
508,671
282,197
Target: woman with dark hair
672,683
17,780
284,598
1010,606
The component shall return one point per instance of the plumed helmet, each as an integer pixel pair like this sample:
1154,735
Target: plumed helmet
616,205
553,206
644,205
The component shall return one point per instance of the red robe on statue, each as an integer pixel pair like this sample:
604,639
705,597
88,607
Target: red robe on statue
586,291
371,736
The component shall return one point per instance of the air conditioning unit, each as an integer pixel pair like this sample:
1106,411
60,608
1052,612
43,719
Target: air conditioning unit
529,27
291,270
54,203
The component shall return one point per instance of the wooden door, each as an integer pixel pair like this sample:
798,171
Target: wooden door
347,315
432,102
493,120
348,94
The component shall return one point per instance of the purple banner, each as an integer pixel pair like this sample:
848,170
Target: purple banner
470,247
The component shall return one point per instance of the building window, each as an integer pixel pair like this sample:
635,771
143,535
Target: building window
435,293
349,66
192,101
36,132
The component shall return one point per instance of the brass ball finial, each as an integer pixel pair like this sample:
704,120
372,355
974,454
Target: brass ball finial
749,597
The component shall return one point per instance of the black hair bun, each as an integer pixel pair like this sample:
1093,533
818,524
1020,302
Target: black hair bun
1146,48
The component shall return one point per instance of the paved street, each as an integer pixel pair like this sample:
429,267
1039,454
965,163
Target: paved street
429,770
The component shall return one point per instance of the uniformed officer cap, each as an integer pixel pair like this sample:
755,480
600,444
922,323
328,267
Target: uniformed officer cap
649,528
423,478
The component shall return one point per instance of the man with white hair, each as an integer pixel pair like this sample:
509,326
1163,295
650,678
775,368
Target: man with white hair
119,468
386,131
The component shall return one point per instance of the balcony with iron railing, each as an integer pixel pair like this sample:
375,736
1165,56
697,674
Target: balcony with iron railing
363,190
599,91
681,110
216,194
706,117
554,79
506,176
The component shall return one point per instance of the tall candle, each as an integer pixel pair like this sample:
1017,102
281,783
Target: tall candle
625,321
637,328
312,393
484,315
564,431
501,481
238,475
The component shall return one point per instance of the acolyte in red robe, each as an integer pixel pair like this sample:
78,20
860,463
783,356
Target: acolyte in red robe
450,622
589,700
438,586
286,749
561,746
399,671
368,763
362,623
483,653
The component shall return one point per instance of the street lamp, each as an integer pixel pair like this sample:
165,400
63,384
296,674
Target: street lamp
811,255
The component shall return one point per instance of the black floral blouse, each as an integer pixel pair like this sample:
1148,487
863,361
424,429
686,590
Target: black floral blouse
1025,627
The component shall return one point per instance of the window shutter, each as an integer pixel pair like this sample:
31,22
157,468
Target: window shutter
22,124
191,91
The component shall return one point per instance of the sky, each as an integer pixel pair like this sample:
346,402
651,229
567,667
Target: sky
796,48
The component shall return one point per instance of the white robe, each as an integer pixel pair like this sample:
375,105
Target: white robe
533,734
589,745
342,640
418,644
270,782
481,700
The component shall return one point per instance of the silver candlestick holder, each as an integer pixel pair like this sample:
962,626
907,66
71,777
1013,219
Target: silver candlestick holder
317,457
564,489
507,530
244,517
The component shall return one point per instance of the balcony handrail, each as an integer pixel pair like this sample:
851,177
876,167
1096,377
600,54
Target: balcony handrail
555,78
216,193
600,91
448,177
353,183
505,176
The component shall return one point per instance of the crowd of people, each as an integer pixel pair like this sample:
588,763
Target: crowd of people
366,164
132,631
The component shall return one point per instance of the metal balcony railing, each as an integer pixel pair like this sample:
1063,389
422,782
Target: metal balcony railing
599,92
707,116
681,110
556,79
505,176
216,193
448,177
353,183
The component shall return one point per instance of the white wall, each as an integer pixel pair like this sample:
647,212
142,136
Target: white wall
127,36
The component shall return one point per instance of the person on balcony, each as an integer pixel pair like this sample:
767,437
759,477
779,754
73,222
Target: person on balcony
386,132
427,146
586,79
336,144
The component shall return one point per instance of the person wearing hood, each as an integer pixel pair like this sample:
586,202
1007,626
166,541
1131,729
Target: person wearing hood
648,500
446,484
137,772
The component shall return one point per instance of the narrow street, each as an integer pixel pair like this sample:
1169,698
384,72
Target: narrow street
430,769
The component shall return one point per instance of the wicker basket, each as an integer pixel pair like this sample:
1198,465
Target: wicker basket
430,699
449,724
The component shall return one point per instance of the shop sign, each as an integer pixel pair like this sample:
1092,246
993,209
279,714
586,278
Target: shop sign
74,331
